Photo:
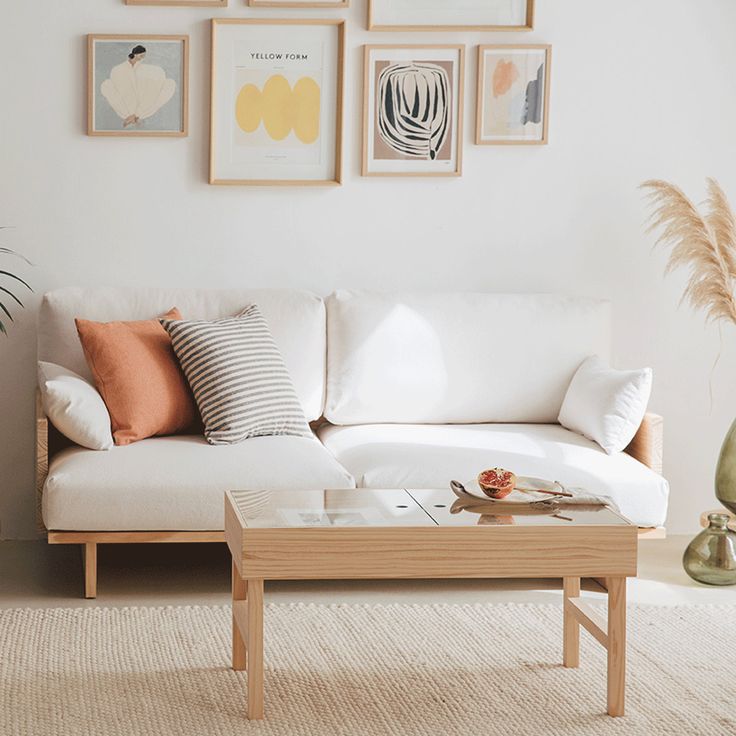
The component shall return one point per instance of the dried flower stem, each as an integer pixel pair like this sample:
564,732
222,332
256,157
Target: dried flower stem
704,244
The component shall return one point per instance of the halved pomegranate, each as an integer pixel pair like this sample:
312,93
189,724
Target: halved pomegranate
497,482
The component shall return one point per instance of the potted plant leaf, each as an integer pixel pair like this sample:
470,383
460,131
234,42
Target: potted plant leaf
8,296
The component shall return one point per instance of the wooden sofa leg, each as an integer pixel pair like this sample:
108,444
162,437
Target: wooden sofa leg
89,554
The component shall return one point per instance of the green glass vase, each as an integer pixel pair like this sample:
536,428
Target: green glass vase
726,471
711,557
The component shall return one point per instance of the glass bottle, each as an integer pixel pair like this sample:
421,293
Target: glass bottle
711,557
726,471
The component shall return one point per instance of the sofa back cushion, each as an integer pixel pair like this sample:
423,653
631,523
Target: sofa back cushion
296,319
457,358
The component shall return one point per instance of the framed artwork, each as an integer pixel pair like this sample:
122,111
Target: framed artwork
181,3
513,95
299,3
137,85
277,96
443,15
413,110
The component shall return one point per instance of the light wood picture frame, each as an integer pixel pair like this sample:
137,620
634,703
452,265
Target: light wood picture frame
389,15
137,85
512,102
181,3
256,143
397,143
299,3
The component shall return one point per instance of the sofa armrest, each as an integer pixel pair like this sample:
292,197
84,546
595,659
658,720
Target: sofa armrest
648,442
42,458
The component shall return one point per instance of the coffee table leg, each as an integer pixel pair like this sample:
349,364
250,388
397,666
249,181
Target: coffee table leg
239,593
571,627
616,646
255,649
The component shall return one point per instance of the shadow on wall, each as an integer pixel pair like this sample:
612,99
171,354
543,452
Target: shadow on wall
17,386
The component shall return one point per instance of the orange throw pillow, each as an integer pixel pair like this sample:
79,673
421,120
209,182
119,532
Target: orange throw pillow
138,377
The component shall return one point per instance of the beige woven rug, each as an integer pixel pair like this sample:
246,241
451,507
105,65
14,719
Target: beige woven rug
441,670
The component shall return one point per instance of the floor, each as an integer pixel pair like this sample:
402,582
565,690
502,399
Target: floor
35,574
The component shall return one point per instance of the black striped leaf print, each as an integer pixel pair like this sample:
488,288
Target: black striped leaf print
414,108
238,377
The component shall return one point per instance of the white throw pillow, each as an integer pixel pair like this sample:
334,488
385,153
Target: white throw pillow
74,406
606,405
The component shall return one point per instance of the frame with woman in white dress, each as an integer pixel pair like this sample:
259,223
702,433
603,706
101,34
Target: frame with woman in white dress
138,85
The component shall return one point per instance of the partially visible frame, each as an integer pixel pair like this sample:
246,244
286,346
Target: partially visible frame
181,3
261,127
446,19
518,72
106,118
299,3
401,143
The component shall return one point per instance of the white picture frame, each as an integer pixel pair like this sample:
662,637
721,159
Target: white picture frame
259,62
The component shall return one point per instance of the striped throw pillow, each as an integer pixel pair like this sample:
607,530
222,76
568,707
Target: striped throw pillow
238,377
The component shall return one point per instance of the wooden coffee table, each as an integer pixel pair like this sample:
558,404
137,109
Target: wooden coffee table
371,534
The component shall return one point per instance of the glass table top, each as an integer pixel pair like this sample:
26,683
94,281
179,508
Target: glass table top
400,508
331,508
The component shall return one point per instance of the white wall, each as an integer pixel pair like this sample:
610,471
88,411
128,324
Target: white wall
639,90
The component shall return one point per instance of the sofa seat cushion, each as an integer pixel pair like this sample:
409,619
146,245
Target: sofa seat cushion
177,483
429,456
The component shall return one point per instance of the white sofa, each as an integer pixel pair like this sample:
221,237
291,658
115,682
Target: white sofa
404,390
